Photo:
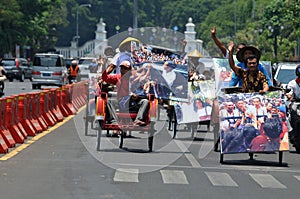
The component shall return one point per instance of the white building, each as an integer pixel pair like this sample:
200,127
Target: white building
96,47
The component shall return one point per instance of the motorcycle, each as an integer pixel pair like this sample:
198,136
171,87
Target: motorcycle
293,110
294,135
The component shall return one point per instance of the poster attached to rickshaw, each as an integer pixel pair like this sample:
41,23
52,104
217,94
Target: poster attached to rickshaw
251,122
168,83
224,74
199,104
93,91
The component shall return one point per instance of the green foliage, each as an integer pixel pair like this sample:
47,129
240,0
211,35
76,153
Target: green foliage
43,24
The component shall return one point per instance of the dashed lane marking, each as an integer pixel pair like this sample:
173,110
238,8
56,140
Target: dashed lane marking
173,177
221,179
126,175
267,181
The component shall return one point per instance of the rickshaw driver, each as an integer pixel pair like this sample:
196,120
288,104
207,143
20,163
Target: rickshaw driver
123,93
253,79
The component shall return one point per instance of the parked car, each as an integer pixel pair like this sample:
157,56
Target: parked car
285,73
17,68
83,64
49,70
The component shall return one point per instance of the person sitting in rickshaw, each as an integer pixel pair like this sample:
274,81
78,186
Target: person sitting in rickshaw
124,96
253,79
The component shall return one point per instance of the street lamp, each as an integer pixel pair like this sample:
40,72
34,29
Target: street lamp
77,29
275,33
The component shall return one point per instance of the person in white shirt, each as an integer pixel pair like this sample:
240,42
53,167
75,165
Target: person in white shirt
168,74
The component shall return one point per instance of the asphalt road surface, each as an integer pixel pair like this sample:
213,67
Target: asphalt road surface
63,163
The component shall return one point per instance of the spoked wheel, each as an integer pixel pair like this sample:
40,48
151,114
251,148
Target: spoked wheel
121,138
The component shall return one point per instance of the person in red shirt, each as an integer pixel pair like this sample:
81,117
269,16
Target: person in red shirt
125,97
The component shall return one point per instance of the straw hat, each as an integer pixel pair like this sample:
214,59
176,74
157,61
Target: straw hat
195,53
127,41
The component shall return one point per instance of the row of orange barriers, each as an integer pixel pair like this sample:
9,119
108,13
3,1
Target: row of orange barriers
32,113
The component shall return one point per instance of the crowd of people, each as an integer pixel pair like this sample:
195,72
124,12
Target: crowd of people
259,113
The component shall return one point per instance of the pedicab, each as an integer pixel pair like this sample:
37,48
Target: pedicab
249,122
126,117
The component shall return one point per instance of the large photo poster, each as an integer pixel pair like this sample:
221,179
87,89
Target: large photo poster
199,104
166,80
251,122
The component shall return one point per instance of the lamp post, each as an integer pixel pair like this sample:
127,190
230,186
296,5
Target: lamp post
77,27
275,33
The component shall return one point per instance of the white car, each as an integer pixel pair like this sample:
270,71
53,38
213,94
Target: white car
285,73
83,64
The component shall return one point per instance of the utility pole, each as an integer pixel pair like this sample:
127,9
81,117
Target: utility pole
135,14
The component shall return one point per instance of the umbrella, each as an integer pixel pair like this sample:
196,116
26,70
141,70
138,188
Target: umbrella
195,53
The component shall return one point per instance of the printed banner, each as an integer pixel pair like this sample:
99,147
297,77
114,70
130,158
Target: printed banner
93,91
199,104
223,72
169,84
250,122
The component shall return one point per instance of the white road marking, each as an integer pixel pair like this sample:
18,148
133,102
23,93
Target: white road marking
126,175
192,160
221,179
267,181
173,177
297,177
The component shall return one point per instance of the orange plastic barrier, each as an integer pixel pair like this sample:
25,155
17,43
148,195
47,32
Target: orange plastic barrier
3,145
36,114
54,106
31,113
60,104
10,121
4,132
45,114
22,115
66,100
30,104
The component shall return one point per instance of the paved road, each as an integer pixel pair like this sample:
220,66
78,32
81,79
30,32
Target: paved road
62,163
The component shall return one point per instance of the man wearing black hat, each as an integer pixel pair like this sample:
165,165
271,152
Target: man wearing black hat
241,56
253,79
